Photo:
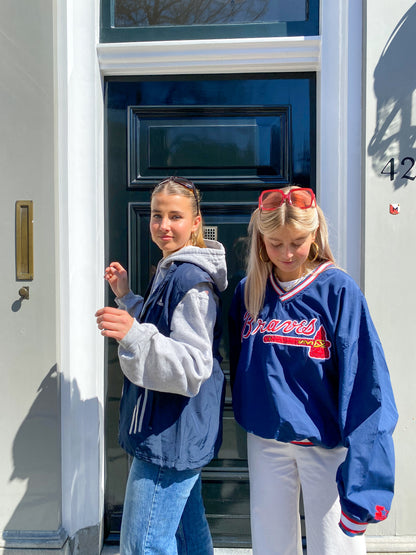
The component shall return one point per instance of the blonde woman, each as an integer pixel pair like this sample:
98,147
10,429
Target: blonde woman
171,407
310,386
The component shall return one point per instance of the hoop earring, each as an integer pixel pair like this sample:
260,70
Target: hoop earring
261,256
316,248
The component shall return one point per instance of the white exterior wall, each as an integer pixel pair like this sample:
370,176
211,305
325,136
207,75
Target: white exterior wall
389,240
30,474
51,152
51,414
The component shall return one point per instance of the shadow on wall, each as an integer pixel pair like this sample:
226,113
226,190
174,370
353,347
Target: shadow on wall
392,146
36,459
37,520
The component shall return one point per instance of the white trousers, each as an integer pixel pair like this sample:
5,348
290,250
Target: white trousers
277,472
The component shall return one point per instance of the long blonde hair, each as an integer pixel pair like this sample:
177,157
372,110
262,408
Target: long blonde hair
170,187
259,267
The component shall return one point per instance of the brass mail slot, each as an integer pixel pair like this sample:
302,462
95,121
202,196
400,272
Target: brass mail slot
24,240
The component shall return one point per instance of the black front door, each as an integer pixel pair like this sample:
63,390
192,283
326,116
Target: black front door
233,136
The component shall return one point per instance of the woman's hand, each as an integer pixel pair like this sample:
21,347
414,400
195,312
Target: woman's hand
113,322
118,279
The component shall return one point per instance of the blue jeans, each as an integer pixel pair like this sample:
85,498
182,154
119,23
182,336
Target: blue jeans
163,512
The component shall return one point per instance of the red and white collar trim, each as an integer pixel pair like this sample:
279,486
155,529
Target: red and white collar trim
285,295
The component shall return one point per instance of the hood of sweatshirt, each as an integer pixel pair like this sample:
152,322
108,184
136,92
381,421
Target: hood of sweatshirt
211,259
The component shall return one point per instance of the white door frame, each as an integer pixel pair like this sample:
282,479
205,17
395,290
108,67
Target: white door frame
81,65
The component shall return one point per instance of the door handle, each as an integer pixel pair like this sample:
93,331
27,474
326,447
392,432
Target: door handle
24,292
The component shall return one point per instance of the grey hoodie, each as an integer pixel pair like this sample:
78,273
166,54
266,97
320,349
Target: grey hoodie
181,362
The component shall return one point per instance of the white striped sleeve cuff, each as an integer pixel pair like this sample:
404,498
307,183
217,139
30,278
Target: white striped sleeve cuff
350,526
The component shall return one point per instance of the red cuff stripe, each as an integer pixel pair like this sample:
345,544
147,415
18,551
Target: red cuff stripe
351,525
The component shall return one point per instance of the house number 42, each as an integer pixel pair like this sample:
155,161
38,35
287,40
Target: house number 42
407,164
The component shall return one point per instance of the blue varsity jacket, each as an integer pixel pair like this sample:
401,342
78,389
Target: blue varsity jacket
313,362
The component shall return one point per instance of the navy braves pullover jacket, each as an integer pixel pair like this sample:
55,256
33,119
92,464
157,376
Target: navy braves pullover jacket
311,369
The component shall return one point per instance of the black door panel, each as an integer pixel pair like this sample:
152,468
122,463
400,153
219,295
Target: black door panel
234,136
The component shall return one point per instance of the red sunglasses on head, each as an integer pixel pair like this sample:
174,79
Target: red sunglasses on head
274,198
